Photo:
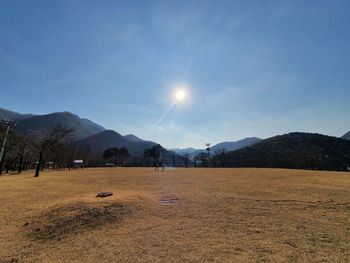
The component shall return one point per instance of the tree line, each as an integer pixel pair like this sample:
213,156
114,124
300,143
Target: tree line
151,157
56,149
53,147
294,151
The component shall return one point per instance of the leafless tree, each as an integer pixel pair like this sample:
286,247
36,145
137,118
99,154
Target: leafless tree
24,149
48,142
186,158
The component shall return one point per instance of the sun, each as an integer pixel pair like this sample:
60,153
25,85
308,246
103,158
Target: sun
180,95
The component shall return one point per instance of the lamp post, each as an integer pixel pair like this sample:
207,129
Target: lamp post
208,150
8,124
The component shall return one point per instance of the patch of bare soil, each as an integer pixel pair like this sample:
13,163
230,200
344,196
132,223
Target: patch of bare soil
168,200
60,222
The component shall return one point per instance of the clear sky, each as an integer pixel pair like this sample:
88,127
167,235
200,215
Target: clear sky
252,68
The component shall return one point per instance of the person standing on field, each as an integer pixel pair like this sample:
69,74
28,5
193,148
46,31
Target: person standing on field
157,168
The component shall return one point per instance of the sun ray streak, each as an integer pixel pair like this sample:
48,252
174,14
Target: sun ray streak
162,117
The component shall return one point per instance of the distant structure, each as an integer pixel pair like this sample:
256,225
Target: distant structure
208,151
78,164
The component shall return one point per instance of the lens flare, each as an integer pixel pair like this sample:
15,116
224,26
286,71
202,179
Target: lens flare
180,95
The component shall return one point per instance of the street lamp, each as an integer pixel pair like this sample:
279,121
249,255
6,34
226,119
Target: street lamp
8,123
208,150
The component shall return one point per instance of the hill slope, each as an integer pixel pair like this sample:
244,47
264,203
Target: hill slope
41,123
11,115
346,136
232,146
293,150
132,137
227,146
108,138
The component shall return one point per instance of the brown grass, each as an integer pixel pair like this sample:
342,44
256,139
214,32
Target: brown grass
181,215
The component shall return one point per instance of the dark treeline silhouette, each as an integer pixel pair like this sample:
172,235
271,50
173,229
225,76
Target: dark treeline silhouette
158,155
116,156
293,150
151,157
55,148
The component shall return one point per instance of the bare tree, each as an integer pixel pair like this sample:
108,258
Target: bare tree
219,158
48,143
186,159
201,159
23,151
10,154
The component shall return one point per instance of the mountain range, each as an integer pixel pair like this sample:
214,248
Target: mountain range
31,125
38,124
109,138
88,133
97,137
293,150
11,115
346,136
226,146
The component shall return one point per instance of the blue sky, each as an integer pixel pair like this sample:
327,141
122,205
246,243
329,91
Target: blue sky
252,68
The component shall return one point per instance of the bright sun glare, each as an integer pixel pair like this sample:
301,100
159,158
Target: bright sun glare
180,95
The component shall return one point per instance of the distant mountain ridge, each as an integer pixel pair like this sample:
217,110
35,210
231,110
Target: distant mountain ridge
132,137
86,132
32,125
226,146
109,138
235,145
189,150
346,136
11,115
39,124
97,137
293,150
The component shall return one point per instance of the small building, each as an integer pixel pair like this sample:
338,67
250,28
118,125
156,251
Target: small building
78,163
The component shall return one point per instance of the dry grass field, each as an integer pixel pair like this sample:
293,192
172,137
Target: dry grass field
181,215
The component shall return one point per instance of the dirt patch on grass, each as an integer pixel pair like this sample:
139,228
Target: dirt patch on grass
169,200
60,222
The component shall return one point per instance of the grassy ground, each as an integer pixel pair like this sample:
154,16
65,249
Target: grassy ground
181,215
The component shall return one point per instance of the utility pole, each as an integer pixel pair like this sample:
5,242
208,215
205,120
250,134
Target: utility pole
8,124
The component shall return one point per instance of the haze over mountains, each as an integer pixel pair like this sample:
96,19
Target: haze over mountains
86,132
250,151
97,137
109,138
226,146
